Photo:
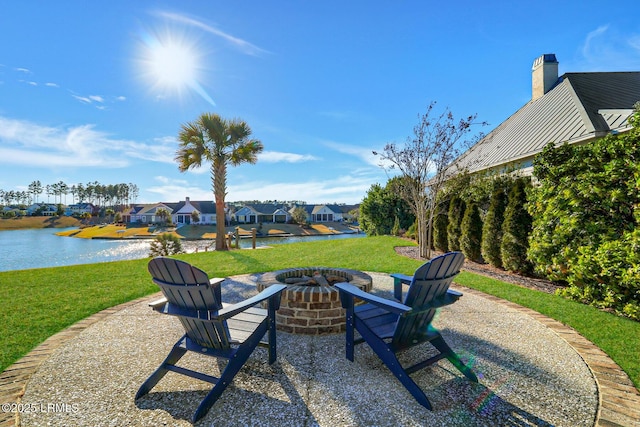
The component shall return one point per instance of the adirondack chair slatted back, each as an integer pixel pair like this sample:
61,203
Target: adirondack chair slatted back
430,281
188,287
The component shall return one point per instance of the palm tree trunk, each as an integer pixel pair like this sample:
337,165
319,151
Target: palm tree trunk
219,178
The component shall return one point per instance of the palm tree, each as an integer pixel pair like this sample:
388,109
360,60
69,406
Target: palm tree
219,141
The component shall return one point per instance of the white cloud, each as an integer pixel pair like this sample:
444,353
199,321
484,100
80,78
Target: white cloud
83,99
121,98
240,44
24,70
278,157
608,49
51,84
345,189
174,190
89,99
588,45
161,150
634,42
32,145
363,153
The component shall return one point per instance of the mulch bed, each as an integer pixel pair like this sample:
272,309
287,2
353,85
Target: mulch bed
490,271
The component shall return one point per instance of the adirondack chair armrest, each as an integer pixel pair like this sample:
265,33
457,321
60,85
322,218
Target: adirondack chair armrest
399,280
403,278
446,299
165,307
348,292
269,292
158,303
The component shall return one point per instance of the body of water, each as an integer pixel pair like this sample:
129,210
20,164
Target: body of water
36,248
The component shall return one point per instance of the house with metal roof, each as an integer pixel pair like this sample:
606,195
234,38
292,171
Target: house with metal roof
183,212
265,213
146,213
326,213
575,108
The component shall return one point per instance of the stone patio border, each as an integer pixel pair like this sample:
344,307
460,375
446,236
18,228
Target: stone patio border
619,400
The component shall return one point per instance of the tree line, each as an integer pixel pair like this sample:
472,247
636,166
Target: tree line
91,192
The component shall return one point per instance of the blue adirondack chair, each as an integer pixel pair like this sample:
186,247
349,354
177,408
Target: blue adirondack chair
212,328
389,326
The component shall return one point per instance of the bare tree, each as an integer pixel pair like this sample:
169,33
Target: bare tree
425,160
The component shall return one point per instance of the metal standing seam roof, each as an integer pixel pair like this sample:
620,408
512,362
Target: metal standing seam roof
581,106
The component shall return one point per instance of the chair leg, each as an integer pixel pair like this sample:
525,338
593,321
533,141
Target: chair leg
440,344
236,362
272,337
174,355
389,358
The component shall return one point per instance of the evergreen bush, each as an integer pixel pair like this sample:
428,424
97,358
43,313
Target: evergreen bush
515,230
471,233
395,230
456,210
440,232
492,228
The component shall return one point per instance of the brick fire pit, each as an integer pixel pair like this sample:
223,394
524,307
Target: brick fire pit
307,308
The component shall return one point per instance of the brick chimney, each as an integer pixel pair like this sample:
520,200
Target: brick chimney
544,75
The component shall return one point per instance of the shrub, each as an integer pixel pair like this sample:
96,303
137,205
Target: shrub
492,228
164,245
456,210
515,230
471,233
440,232
608,276
412,232
381,206
395,230
587,211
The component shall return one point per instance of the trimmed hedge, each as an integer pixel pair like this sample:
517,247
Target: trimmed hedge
456,210
471,233
587,212
492,228
515,230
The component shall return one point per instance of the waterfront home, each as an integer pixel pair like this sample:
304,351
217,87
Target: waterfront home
262,213
78,209
185,212
145,213
326,213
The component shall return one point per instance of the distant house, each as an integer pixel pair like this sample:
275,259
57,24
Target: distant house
254,213
180,212
13,210
145,213
347,211
262,213
326,213
575,108
42,209
79,209
183,212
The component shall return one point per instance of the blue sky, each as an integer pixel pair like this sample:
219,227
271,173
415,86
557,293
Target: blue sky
97,91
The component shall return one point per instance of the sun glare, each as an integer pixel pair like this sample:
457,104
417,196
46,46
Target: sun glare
171,65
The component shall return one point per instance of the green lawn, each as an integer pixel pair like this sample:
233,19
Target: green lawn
41,302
